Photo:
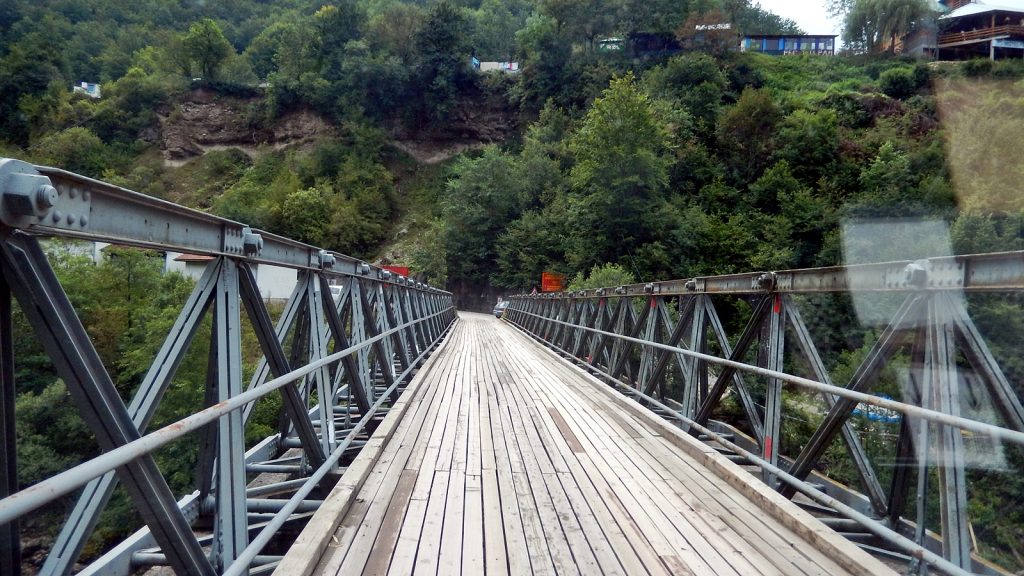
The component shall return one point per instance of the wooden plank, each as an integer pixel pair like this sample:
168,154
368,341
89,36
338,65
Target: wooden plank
449,555
722,554
473,527
423,460
596,477
429,548
624,478
380,556
496,559
567,433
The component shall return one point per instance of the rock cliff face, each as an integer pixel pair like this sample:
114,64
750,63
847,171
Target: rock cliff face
204,122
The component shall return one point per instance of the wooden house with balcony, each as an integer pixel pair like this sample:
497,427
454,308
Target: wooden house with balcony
981,29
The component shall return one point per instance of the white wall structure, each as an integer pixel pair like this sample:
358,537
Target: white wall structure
275,283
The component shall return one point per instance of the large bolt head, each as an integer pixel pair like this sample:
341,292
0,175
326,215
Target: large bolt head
252,243
46,197
915,274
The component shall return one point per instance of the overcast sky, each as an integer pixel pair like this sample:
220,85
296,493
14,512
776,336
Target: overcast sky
808,14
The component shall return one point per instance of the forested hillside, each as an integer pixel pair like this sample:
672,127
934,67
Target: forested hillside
362,127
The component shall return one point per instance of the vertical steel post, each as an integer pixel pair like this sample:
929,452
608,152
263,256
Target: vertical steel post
351,367
321,378
956,540
693,395
651,334
920,361
96,494
10,539
231,530
277,362
381,348
623,349
774,350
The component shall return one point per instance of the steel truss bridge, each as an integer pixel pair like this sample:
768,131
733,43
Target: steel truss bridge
394,409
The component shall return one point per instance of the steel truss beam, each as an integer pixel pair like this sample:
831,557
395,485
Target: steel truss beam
384,325
68,345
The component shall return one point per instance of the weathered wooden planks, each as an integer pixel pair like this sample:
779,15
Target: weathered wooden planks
507,461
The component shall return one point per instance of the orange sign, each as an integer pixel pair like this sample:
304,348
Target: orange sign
552,282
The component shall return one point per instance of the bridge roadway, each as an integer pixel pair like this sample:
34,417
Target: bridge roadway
501,458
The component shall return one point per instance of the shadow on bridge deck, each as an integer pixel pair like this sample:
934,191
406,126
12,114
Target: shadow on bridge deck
501,458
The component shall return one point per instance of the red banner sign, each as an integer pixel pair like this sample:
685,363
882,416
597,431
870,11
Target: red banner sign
400,270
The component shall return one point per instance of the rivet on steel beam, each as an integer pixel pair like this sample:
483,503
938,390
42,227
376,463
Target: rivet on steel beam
916,274
252,243
57,216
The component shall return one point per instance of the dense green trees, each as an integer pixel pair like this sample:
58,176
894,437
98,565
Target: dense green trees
620,176
207,47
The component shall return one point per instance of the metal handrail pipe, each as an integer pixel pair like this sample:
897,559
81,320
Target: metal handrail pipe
27,500
153,559
995,432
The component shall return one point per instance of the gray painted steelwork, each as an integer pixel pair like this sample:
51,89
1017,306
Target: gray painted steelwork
654,341
381,329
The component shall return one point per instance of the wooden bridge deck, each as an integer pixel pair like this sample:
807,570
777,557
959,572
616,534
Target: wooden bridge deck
501,459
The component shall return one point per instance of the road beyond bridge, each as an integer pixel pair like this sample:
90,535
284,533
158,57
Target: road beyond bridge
501,458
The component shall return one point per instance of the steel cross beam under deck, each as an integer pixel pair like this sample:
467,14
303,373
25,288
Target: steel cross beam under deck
664,343
343,350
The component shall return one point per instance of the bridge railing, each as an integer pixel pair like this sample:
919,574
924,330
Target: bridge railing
666,344
337,360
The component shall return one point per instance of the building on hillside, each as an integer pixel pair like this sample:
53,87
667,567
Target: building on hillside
88,88
981,29
640,45
506,67
779,45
